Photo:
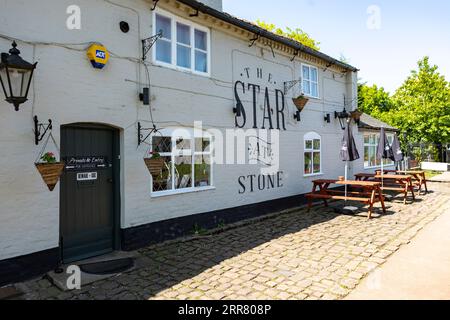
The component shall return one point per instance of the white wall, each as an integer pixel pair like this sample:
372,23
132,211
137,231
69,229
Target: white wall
68,90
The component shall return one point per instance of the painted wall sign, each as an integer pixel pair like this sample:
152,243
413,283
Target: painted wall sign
86,163
258,92
98,55
260,151
87,176
253,182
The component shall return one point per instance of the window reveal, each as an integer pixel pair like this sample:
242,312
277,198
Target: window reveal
187,164
370,150
310,81
312,154
183,45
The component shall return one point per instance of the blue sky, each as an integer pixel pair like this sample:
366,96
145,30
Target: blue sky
408,30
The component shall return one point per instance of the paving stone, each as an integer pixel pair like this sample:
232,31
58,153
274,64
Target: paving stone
297,255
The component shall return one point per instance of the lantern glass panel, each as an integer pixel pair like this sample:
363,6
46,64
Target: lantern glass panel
4,82
20,79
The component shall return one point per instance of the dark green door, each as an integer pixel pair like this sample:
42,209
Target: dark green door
87,192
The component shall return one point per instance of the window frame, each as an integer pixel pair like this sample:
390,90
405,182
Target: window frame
192,153
390,138
309,80
174,43
311,136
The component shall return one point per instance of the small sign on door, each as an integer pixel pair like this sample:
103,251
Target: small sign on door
87,176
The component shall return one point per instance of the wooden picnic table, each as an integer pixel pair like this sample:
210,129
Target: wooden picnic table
391,182
370,195
419,177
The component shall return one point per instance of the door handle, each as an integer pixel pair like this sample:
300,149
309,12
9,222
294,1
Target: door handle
110,181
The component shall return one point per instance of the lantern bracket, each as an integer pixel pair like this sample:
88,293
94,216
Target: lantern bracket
39,127
142,131
288,85
148,43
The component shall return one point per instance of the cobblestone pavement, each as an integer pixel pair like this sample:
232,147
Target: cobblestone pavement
294,255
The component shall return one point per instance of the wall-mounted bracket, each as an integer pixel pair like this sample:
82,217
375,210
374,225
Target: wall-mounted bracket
155,3
295,55
288,85
328,67
252,41
194,14
142,131
39,127
271,48
148,43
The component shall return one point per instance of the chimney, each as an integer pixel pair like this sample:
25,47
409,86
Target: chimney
215,4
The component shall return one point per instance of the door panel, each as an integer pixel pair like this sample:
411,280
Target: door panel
87,192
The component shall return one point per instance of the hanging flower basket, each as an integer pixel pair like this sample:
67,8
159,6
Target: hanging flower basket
300,102
50,173
47,165
155,164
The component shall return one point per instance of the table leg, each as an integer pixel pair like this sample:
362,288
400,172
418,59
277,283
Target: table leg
372,201
411,186
424,177
419,178
406,192
323,190
310,199
380,194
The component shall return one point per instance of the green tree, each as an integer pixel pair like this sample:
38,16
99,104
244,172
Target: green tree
374,100
422,105
296,34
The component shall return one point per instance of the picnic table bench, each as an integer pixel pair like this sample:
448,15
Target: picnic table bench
391,182
370,195
419,177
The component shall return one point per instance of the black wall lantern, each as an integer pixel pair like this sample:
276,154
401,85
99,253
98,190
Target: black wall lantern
15,76
342,116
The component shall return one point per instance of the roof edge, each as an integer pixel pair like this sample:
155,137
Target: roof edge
264,33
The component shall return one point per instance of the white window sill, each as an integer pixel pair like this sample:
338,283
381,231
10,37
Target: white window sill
312,97
181,69
181,191
313,175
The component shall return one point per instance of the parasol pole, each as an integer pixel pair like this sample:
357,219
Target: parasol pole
346,178
382,167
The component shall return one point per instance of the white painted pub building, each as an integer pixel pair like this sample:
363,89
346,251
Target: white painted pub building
109,72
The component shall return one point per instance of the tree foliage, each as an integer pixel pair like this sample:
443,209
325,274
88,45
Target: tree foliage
374,100
420,107
295,34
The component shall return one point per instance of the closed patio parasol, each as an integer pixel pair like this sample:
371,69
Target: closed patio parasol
397,154
384,151
349,152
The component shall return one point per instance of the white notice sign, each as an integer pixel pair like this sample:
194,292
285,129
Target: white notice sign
86,176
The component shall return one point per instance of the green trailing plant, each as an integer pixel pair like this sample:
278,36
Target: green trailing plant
198,230
221,224
48,158
155,155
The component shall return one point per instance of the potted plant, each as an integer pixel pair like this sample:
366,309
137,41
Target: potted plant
155,163
300,102
50,169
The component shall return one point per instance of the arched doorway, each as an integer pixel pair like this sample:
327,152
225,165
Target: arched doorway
90,191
